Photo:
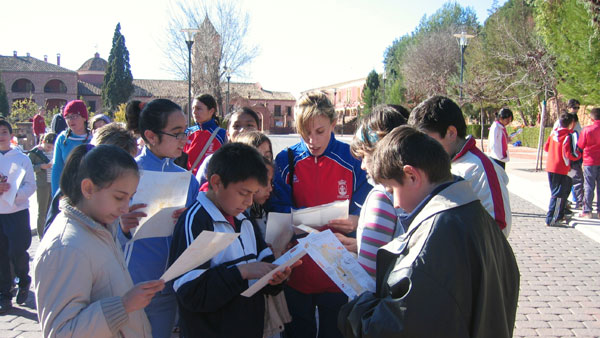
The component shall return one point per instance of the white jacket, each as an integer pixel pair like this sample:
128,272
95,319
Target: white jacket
498,142
15,159
488,181
80,277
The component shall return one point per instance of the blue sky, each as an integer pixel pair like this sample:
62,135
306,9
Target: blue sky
303,44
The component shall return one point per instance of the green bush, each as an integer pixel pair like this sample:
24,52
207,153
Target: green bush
529,136
475,130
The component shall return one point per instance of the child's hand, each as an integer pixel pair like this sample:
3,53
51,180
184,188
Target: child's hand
349,242
46,166
344,225
4,187
178,213
280,276
132,219
255,270
140,295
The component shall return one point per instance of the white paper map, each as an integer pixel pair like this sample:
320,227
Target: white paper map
322,214
15,176
333,258
163,192
204,247
287,259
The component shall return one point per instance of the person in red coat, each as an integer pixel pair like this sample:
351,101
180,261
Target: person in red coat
39,127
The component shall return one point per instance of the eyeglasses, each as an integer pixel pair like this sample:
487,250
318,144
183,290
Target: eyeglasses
72,116
179,136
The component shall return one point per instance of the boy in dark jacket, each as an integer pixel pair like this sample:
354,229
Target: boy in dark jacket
561,151
453,273
210,304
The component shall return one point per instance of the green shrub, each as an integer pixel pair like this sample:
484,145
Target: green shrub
475,130
529,136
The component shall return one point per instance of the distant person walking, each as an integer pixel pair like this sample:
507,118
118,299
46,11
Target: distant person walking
39,127
589,142
498,137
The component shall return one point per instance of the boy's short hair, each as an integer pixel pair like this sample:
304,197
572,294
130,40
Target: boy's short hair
436,114
7,125
573,103
595,113
116,135
236,162
565,119
407,146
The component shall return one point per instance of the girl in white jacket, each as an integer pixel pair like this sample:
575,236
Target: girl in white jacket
83,288
498,138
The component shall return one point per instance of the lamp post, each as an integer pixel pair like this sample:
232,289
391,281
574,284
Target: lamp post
228,75
189,41
463,41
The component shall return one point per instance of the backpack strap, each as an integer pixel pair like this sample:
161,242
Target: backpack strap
208,143
291,165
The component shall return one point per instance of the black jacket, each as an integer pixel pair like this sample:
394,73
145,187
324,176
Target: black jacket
210,304
453,274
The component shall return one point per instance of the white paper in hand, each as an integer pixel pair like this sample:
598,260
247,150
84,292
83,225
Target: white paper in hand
287,259
322,214
204,247
15,176
163,192
279,231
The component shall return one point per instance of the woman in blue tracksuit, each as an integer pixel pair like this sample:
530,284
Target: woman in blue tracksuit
162,125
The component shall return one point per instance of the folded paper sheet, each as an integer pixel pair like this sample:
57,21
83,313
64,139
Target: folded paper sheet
322,214
287,259
279,231
207,245
163,192
15,176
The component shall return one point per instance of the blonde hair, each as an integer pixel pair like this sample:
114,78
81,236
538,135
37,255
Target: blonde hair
309,106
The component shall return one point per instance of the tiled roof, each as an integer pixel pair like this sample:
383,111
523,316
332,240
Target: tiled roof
160,88
88,89
29,64
256,92
94,64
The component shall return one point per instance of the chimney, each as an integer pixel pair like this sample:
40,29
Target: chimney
14,53
28,55
58,59
97,55
45,58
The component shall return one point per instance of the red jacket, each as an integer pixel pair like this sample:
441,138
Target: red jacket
39,125
560,151
200,134
589,141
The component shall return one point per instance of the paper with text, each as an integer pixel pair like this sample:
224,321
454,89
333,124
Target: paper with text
163,192
333,258
287,259
207,245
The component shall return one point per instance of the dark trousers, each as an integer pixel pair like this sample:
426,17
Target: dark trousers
560,187
302,308
577,190
500,163
44,195
591,177
15,239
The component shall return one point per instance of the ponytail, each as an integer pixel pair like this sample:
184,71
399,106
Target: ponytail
151,116
132,115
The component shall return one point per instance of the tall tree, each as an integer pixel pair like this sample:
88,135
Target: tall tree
221,42
566,29
118,81
371,92
4,107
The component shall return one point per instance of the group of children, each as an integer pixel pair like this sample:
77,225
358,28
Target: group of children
429,216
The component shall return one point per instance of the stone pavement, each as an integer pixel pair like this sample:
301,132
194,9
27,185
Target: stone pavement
560,281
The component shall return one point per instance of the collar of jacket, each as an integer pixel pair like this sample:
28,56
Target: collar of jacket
213,211
72,212
468,146
329,149
154,161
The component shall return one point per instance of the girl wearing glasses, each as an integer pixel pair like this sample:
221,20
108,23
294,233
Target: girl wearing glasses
162,125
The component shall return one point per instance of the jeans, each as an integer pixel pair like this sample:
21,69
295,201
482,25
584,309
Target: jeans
591,178
560,187
302,308
577,190
15,239
161,313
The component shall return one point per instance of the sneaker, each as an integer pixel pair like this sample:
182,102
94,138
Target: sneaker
568,211
5,305
587,215
23,294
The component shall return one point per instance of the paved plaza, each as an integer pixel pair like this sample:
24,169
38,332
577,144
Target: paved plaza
560,267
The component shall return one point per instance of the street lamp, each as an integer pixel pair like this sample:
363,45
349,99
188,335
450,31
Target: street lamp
190,41
228,75
463,41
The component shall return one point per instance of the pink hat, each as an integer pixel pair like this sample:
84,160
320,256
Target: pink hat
76,107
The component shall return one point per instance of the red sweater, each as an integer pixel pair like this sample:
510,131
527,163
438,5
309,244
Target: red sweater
589,141
560,151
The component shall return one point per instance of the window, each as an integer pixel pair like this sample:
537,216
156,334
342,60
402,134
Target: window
277,110
55,86
23,86
289,110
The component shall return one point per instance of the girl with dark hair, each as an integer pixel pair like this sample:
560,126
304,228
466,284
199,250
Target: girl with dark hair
206,136
498,138
162,125
76,115
82,288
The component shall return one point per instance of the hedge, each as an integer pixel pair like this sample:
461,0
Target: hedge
529,136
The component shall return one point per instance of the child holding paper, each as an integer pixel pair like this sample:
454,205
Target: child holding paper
162,125
316,171
210,304
15,234
82,286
